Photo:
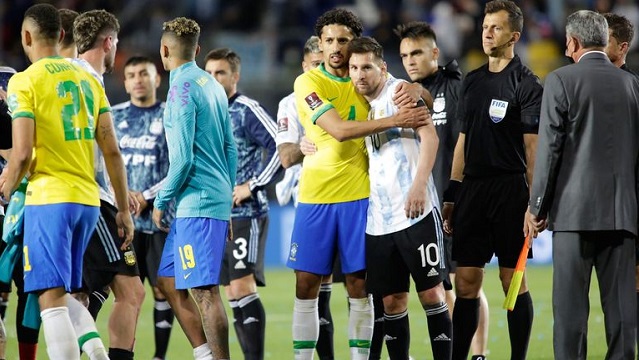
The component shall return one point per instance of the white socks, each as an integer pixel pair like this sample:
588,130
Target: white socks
86,332
202,352
360,327
59,334
305,328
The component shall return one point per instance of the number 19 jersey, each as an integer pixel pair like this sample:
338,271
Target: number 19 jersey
65,103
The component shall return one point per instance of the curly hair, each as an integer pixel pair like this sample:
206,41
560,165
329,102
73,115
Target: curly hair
187,31
47,19
339,17
415,30
515,16
90,26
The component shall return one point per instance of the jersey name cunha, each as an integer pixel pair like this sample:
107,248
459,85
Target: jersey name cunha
393,156
65,103
338,171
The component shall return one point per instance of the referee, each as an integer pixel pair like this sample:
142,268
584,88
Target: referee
499,113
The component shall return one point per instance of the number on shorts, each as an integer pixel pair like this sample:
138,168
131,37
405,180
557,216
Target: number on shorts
240,252
69,111
186,255
426,253
27,264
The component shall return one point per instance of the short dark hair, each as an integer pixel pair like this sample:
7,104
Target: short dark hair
515,16
47,19
621,28
67,17
89,26
340,17
187,31
415,30
138,59
225,54
366,44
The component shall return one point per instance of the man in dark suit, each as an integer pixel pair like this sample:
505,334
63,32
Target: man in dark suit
585,189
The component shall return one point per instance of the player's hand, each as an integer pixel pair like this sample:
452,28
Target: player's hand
142,204
447,216
241,193
408,94
307,147
415,202
412,117
134,204
533,225
125,228
158,220
3,180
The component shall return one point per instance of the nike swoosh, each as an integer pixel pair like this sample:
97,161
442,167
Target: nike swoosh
187,276
331,99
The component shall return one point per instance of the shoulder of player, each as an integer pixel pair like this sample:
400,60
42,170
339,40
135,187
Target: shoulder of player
451,71
121,106
253,106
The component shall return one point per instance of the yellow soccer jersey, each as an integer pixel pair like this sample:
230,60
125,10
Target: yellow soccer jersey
65,102
338,171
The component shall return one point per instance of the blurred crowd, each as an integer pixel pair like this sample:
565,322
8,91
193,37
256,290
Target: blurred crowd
269,34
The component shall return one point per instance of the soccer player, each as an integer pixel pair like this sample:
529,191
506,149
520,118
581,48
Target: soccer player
243,267
64,149
203,164
499,111
142,140
108,262
334,186
420,54
403,231
289,135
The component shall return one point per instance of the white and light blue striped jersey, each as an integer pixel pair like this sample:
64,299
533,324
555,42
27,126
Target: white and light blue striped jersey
289,131
101,174
393,156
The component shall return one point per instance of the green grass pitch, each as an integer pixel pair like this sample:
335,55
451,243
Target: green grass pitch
278,302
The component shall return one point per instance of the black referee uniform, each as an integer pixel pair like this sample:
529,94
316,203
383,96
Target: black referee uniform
496,110
444,85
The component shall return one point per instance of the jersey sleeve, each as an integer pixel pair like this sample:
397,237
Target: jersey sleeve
262,129
289,129
20,97
180,135
530,93
310,98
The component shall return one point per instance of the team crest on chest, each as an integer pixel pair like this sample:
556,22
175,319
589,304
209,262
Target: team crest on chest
497,110
439,104
156,126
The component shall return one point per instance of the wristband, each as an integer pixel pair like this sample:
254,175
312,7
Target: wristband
450,194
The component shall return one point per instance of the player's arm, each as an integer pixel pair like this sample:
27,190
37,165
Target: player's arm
107,142
290,154
180,141
263,129
428,144
406,117
456,177
23,132
530,144
408,94
5,153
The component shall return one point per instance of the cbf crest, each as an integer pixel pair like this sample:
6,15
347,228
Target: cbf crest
293,254
497,110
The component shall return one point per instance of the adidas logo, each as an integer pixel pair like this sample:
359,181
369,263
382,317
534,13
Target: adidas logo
432,272
323,322
379,319
250,320
389,338
240,265
441,337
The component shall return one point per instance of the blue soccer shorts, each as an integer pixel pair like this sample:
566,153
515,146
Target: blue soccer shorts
322,230
55,238
197,245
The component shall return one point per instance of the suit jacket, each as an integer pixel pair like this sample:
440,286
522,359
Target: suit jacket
588,148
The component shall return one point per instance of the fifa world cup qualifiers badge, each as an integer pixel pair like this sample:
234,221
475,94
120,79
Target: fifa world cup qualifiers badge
129,257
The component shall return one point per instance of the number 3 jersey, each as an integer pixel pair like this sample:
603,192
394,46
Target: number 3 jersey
393,156
145,153
65,103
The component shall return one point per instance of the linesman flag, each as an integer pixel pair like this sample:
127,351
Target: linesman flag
518,276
